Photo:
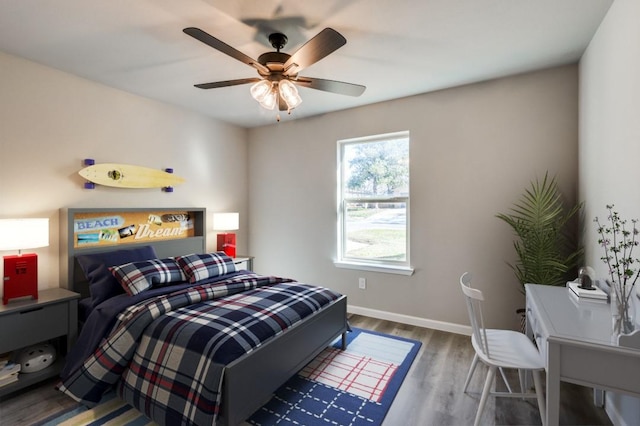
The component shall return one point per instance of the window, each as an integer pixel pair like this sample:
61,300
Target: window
373,204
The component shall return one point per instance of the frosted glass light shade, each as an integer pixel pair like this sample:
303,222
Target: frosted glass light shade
260,90
18,234
270,99
289,93
226,221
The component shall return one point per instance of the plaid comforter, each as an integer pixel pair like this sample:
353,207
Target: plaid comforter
169,352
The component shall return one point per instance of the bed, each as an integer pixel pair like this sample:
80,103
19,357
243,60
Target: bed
248,377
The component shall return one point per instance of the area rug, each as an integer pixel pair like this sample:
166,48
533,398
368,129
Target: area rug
353,387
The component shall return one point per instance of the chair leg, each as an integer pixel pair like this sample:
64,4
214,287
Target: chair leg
542,406
491,375
474,363
504,379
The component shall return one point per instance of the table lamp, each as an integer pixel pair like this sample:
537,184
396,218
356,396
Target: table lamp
227,240
20,277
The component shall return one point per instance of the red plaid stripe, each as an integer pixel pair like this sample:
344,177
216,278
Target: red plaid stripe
354,373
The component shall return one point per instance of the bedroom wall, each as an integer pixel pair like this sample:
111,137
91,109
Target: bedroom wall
610,141
473,151
52,120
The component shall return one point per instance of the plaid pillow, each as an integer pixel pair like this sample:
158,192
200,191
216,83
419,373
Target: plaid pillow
136,277
198,267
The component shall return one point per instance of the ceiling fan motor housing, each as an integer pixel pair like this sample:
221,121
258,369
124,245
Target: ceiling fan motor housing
274,61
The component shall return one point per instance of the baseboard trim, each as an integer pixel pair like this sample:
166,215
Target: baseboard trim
410,320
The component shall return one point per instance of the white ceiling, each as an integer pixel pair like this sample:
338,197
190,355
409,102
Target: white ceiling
396,48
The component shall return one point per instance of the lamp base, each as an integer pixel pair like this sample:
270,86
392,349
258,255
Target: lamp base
227,243
20,276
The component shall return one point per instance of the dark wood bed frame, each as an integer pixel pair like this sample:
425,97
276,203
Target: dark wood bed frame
251,380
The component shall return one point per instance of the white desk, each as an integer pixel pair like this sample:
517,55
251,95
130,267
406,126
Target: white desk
575,339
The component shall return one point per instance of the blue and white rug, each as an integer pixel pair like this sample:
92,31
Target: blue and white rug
352,387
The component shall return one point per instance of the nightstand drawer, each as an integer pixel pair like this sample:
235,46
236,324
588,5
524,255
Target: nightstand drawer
243,263
33,325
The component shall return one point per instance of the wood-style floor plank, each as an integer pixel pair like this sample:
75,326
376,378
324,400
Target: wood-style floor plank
430,395
432,392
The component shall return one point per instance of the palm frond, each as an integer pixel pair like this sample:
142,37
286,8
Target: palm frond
546,250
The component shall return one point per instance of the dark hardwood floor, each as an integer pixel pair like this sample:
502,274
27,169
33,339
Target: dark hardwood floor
430,395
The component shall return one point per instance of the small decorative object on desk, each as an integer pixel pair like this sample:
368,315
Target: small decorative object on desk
618,242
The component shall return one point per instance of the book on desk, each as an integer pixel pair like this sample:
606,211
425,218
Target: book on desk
594,294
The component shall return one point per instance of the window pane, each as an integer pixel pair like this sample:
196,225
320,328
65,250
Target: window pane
373,169
375,231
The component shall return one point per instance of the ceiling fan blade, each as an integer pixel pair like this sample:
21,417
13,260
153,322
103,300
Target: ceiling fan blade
223,47
333,86
326,42
227,83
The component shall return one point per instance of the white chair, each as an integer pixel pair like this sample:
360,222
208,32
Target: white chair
500,349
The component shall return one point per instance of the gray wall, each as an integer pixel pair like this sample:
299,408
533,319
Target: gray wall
52,120
473,148
610,141
473,151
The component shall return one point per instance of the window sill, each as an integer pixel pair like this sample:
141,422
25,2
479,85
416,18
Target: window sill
399,270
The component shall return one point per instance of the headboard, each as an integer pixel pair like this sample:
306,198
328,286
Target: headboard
171,232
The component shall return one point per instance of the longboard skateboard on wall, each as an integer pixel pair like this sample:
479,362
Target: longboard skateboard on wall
128,176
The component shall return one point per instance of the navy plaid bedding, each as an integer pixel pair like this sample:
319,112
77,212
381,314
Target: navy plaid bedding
170,351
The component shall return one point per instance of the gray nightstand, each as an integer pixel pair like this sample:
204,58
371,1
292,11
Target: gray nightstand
28,322
243,262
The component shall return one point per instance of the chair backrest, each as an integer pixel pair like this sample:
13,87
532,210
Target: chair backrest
474,299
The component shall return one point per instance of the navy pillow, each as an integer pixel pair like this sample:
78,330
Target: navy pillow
199,267
136,277
102,284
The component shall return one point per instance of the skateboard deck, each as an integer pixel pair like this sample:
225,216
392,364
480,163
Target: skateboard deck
129,176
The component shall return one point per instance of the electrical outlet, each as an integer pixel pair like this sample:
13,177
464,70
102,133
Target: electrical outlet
362,283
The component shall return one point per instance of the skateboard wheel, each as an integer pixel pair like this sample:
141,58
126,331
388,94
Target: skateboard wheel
89,161
168,170
89,185
168,189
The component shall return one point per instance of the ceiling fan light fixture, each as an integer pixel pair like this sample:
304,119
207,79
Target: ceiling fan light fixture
289,92
270,99
261,89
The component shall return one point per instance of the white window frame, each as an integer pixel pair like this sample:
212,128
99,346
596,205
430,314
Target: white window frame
388,266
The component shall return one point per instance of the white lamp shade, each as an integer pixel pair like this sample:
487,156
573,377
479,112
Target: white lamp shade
226,221
18,234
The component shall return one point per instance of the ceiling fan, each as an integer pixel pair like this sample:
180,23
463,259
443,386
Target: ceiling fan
279,71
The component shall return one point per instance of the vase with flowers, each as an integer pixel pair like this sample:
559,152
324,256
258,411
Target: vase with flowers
618,239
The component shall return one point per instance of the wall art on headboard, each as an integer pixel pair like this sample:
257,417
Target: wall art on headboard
97,229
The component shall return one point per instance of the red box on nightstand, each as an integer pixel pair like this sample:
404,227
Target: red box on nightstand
227,243
20,276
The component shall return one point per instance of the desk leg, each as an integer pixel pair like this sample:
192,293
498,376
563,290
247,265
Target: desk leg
529,333
553,384
598,397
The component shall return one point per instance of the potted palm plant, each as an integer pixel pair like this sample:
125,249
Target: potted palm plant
546,243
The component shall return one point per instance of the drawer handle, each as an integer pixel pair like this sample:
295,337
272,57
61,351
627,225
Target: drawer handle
30,310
